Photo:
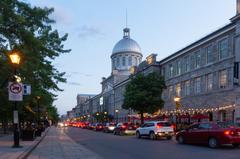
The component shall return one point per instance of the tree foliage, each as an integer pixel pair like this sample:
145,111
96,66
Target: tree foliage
29,30
144,93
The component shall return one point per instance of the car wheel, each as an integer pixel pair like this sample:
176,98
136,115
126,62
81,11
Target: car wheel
152,136
180,140
138,135
169,137
212,142
121,133
235,145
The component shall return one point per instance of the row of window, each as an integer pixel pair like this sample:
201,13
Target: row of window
198,85
197,59
125,61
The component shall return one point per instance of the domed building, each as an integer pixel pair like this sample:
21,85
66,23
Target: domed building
126,53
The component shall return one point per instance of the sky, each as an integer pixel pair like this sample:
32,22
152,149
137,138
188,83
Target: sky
95,26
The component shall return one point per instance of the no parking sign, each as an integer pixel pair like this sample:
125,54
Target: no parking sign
15,91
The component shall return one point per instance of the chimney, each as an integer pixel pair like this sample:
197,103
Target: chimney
238,7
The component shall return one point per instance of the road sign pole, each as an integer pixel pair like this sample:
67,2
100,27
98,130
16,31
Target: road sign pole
15,123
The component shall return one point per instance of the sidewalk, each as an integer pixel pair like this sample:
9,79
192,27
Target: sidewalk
57,145
7,152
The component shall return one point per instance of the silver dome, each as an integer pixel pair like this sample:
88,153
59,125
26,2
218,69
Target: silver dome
126,44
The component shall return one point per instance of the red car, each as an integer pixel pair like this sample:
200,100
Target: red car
212,133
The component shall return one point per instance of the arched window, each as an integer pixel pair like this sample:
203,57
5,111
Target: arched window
129,60
118,61
123,60
136,61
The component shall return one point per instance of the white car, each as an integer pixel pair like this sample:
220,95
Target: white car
156,129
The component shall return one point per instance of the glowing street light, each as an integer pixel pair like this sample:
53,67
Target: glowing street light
15,61
15,58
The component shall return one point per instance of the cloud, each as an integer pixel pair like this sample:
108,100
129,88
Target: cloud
74,83
61,15
88,32
82,74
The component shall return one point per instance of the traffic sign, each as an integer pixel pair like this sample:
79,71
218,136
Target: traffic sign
15,91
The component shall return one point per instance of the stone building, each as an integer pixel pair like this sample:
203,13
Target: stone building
205,75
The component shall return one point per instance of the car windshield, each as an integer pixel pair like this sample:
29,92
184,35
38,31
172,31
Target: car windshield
227,125
163,124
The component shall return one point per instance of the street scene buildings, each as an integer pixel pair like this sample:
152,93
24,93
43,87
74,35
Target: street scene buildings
204,74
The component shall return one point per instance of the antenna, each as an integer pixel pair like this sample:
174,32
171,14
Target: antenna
126,18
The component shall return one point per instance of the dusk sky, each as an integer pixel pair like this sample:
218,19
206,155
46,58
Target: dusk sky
95,26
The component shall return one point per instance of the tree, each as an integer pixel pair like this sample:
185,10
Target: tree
144,93
29,30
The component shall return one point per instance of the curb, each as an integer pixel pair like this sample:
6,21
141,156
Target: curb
28,151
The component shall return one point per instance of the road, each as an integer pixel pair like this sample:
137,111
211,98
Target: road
128,147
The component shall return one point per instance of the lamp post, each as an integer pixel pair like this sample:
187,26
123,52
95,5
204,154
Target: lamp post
15,60
97,114
177,102
38,111
116,111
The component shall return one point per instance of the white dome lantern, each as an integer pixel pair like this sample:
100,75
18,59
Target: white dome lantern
125,54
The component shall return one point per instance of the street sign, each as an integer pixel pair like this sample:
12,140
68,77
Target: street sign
26,89
15,91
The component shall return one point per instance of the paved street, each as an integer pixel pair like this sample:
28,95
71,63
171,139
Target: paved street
57,145
128,147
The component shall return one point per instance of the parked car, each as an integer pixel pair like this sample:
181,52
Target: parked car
213,134
98,127
125,129
109,127
155,129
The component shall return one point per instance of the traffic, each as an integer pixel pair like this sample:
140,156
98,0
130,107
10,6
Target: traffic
211,134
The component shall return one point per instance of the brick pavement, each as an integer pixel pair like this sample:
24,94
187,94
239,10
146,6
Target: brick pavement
7,152
57,145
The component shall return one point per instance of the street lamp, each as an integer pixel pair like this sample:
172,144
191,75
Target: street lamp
116,111
15,60
177,102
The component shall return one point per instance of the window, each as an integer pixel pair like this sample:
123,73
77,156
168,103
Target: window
187,64
193,61
205,126
197,85
123,60
223,79
187,88
236,70
223,49
170,70
118,61
178,67
178,90
198,59
209,82
209,52
129,60
114,63
136,61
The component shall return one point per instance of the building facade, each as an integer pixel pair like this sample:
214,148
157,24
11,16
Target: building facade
205,75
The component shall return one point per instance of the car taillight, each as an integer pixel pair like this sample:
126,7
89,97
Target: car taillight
172,126
159,126
100,126
228,132
124,126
